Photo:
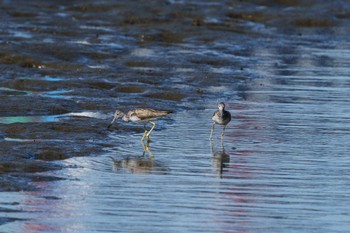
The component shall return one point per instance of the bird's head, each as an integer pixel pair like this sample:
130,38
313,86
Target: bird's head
118,114
221,106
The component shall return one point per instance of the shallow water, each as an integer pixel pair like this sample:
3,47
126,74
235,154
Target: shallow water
281,68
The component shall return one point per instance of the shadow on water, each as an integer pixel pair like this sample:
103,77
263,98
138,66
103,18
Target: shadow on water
220,159
144,164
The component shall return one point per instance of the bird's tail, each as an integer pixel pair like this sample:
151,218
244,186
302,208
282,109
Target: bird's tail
165,112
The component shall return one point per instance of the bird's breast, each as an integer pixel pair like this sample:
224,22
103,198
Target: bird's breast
126,118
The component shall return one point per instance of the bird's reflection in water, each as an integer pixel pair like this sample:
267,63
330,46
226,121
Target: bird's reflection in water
145,164
220,159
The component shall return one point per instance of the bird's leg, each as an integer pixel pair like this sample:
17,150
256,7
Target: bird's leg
211,132
144,148
150,131
148,149
144,134
223,132
211,147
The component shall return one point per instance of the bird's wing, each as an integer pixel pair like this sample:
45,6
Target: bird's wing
144,113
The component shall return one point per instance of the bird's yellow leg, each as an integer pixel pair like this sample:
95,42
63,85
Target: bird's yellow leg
150,153
223,132
150,131
211,132
144,134
146,148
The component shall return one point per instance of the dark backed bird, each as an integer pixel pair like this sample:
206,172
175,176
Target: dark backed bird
220,117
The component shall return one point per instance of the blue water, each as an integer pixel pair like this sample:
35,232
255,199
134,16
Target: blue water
283,74
275,175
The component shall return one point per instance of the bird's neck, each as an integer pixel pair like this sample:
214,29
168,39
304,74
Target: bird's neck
125,117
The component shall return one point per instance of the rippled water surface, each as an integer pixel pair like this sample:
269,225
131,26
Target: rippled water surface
281,67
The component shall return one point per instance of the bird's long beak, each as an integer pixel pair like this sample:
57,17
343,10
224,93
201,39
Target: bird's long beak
109,126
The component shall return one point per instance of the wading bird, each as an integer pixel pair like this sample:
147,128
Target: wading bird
140,116
220,117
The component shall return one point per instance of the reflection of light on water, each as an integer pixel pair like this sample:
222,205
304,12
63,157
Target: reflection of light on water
30,140
14,91
57,94
7,89
50,118
89,114
221,70
100,28
26,119
98,66
220,89
142,52
53,79
112,45
184,70
18,140
83,42
336,53
46,78
21,34
147,69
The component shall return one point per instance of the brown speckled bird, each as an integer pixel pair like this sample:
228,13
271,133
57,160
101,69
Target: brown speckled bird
140,116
